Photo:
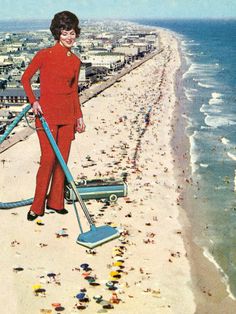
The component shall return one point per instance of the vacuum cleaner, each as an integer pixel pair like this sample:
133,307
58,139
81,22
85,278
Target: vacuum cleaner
107,190
96,235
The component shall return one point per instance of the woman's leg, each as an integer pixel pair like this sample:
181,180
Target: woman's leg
44,174
56,195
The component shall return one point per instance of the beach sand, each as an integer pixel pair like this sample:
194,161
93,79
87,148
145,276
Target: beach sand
129,130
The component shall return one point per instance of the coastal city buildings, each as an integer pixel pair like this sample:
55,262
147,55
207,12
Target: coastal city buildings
104,49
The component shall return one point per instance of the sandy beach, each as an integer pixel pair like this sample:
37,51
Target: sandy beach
129,130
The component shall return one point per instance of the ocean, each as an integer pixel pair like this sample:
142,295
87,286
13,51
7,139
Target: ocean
16,26
209,102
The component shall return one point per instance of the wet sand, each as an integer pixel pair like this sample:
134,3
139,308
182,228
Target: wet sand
129,131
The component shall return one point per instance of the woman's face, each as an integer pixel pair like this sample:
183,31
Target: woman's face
67,38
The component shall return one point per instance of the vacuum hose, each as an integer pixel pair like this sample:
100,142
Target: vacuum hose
10,205
17,119
14,123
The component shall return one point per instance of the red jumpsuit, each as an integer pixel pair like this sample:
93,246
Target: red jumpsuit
59,72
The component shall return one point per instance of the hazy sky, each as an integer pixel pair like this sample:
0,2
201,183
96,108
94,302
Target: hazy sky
28,9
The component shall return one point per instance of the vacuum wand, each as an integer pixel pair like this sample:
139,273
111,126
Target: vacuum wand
96,235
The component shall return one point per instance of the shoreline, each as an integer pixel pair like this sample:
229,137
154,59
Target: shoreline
212,293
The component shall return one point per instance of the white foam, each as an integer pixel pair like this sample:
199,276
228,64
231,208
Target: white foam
188,95
209,109
204,85
234,180
225,141
184,42
206,74
216,99
193,152
192,43
189,71
193,68
216,95
190,92
216,121
189,121
203,108
204,165
232,156
225,278
188,62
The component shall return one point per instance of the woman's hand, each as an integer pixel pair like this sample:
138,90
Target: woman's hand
37,108
80,127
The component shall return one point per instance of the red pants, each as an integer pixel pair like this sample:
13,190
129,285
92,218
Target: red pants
50,168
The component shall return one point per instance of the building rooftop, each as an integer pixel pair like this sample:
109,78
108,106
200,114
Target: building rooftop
16,92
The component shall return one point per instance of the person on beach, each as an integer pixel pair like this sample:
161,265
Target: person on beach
59,103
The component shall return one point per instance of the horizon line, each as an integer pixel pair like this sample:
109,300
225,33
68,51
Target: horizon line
124,19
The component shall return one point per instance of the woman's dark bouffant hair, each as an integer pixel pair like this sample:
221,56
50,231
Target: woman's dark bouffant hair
64,20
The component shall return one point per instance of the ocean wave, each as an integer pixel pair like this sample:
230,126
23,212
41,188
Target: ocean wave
205,70
189,121
186,43
225,141
185,117
204,165
209,109
232,156
216,95
192,43
193,152
189,97
215,101
217,121
204,85
189,93
190,70
234,180
225,278
191,90
216,98
204,127
188,62
220,187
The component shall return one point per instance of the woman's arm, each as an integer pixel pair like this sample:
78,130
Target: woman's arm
80,126
78,111
32,68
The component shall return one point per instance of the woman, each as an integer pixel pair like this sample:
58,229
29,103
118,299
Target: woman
59,103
